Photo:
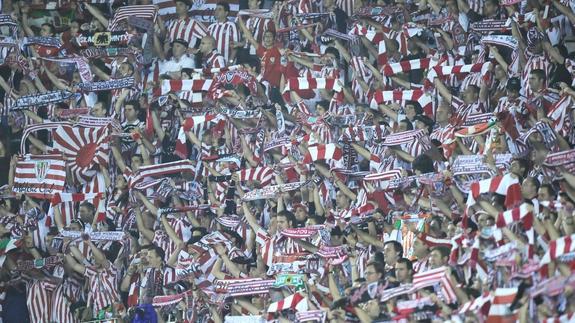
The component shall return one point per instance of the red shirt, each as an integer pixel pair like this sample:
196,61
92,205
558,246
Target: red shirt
272,68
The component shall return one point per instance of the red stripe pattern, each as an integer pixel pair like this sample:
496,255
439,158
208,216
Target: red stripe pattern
40,176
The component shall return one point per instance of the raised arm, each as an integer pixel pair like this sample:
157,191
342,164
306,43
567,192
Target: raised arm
247,34
97,14
147,233
250,218
443,90
99,256
118,158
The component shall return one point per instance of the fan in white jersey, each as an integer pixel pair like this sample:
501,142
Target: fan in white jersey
179,60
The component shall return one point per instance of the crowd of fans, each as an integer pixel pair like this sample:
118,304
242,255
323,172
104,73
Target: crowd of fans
290,161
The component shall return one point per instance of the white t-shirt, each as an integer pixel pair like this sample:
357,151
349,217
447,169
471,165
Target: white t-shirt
173,65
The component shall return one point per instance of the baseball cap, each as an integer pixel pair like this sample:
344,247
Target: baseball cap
181,41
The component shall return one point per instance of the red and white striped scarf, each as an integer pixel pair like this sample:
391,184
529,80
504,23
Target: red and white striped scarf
321,152
504,185
499,310
433,277
423,98
296,302
183,85
433,242
476,304
140,11
262,174
437,71
407,66
559,247
521,214
160,170
560,115
303,83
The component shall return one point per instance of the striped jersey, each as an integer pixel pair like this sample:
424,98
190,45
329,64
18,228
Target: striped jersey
187,29
214,60
225,33
103,287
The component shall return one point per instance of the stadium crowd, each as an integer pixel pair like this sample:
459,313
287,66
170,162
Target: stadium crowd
287,161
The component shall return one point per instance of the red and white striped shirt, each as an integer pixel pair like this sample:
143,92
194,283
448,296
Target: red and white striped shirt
214,60
67,293
225,33
187,29
535,62
103,287
38,297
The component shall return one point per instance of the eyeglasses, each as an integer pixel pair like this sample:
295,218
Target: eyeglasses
369,273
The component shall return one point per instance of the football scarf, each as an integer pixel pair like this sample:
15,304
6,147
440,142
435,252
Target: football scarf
73,113
27,101
180,209
95,236
103,39
490,25
43,41
112,84
259,13
271,191
48,262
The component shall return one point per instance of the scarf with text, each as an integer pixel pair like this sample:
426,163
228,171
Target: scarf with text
259,13
243,287
95,236
490,25
43,41
271,191
42,99
112,84
81,64
48,262
73,113
549,136
235,78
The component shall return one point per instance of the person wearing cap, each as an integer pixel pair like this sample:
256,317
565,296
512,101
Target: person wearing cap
179,58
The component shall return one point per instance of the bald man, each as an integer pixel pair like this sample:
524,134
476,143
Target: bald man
211,57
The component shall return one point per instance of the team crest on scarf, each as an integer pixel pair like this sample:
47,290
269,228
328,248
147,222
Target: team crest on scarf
41,168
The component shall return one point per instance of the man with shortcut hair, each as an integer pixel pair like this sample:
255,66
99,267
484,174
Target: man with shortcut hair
404,271
439,257
184,27
224,32
211,57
